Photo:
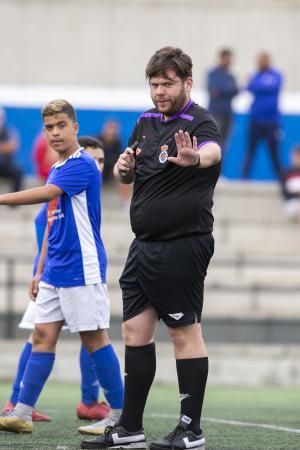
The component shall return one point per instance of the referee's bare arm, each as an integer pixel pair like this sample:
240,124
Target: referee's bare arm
124,167
209,154
32,196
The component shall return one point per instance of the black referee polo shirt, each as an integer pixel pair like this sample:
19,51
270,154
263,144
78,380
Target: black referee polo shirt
170,201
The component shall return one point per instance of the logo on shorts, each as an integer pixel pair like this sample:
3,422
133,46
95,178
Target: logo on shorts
184,396
176,316
138,151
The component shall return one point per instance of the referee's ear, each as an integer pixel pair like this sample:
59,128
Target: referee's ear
188,84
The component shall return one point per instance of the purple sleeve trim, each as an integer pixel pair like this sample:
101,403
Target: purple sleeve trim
205,142
187,117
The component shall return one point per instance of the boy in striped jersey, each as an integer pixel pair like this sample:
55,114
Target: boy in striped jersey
71,287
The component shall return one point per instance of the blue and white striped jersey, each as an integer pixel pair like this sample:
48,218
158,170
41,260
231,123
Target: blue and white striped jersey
76,254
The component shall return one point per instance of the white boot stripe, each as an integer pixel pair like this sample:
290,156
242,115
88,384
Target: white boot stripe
193,444
127,439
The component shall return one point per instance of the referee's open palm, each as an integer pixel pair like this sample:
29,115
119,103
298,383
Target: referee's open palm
187,154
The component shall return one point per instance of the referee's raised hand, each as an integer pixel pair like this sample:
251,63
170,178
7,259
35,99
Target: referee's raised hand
187,152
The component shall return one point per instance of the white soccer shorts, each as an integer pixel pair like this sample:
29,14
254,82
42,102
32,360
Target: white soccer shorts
83,308
28,319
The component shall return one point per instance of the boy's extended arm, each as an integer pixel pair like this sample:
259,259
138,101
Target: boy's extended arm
40,194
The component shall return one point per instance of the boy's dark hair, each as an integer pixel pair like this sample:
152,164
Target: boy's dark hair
89,141
169,58
57,107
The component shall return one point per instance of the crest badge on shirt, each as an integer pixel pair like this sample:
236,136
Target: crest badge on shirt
163,156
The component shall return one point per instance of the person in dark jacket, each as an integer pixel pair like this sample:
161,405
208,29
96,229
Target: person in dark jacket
112,145
9,143
222,88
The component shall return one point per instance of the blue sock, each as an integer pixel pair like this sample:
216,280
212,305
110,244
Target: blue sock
24,356
89,378
37,371
109,375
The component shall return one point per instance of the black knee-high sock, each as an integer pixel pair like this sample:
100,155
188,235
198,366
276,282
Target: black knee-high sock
192,377
140,366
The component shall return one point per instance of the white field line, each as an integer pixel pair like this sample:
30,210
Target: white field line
235,423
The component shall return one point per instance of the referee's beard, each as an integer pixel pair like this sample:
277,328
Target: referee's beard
176,103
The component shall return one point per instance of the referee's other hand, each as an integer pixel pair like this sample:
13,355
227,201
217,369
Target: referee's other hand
126,161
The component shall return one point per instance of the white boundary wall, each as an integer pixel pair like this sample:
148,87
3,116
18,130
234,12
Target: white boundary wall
108,42
251,365
117,99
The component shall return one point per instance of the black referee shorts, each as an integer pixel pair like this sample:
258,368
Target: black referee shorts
168,275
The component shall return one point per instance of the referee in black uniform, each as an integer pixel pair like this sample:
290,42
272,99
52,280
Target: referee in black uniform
174,163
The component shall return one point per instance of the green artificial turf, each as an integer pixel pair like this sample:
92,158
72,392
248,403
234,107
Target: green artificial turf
275,406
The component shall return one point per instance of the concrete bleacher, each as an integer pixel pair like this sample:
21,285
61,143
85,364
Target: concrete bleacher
254,271
252,288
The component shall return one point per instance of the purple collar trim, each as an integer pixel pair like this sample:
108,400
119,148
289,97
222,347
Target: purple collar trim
151,115
180,113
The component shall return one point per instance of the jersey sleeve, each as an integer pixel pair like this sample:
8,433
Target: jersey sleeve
207,131
73,177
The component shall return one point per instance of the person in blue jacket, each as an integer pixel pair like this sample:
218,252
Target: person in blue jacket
265,86
222,87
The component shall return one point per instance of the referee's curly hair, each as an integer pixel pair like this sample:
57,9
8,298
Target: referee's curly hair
169,58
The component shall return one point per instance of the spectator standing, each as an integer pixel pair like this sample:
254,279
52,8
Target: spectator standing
112,146
222,87
265,86
9,143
